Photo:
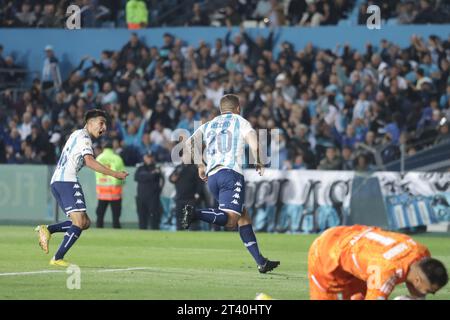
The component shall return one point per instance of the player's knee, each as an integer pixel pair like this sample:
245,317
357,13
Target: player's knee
232,220
86,223
244,219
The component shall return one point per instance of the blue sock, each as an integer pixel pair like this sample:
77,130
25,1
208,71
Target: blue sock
249,239
59,227
69,239
215,216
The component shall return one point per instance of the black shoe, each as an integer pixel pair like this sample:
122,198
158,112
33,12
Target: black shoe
268,266
188,216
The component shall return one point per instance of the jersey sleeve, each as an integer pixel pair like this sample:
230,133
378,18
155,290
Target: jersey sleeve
380,284
86,146
245,127
195,141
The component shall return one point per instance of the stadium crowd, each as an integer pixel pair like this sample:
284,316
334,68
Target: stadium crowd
152,13
136,14
409,11
335,106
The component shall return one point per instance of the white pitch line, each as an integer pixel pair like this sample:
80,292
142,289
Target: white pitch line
126,269
64,271
30,273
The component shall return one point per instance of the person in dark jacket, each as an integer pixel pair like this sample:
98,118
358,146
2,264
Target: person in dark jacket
149,186
189,189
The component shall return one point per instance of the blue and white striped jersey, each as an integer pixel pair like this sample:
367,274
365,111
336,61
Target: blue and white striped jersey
224,137
71,161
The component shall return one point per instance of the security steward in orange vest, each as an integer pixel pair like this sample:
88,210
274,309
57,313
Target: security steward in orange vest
109,189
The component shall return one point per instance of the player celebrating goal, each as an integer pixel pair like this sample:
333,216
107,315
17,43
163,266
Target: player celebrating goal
360,262
224,138
67,190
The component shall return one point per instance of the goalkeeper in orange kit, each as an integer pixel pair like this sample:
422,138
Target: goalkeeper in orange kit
361,262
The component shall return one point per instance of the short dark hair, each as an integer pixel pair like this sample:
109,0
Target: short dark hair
435,271
229,102
94,113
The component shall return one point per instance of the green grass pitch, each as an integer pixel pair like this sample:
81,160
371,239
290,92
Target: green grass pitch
133,264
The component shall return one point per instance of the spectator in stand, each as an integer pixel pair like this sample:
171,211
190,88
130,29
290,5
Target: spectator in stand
136,14
312,17
26,17
232,16
314,95
200,18
13,74
332,160
49,18
131,51
51,76
92,14
347,158
44,150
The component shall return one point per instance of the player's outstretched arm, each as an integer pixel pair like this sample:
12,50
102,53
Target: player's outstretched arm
98,167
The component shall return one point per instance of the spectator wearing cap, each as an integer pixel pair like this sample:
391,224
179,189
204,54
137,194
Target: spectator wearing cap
51,76
109,189
150,181
136,14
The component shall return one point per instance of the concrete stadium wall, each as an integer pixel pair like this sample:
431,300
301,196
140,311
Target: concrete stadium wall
27,45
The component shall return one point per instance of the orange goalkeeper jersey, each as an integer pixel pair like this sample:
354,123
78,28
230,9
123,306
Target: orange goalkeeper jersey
378,257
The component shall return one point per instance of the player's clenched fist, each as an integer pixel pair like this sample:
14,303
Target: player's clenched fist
121,175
